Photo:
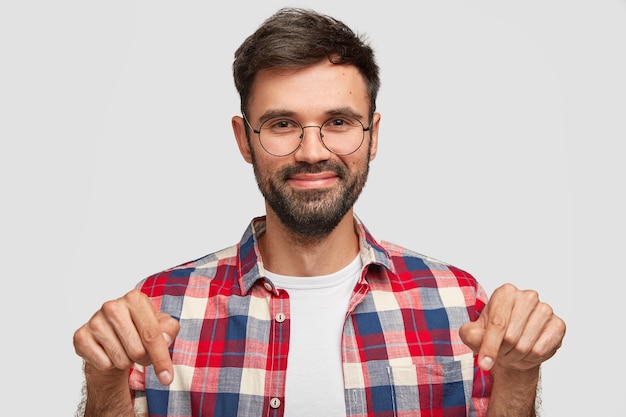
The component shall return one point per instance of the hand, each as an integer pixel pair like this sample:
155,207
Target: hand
126,331
515,329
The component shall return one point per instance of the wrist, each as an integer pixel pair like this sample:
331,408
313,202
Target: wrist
514,391
108,394
519,376
111,377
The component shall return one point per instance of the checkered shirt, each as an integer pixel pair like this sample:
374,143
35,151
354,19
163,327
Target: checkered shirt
402,354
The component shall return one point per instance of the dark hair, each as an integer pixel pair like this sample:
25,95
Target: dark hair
296,38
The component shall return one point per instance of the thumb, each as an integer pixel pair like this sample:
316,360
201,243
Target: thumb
169,326
472,334
161,360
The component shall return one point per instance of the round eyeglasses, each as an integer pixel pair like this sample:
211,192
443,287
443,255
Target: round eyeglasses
282,136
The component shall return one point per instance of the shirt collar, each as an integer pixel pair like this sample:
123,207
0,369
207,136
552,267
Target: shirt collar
251,265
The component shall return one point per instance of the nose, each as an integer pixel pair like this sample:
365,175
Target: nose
312,149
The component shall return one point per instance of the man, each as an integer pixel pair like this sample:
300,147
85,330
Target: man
309,315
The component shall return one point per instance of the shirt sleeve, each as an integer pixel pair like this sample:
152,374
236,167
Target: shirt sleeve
137,384
481,389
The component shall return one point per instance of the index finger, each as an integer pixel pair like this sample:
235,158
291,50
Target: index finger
153,338
498,317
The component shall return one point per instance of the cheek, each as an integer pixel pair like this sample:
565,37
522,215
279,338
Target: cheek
263,169
358,162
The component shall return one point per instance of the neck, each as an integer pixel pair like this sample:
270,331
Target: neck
286,253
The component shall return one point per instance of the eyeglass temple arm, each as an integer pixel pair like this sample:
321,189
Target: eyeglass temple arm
258,132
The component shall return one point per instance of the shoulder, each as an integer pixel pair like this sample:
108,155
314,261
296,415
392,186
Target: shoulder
409,260
432,279
411,269
198,274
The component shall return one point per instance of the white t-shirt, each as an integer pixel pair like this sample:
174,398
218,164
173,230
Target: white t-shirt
314,382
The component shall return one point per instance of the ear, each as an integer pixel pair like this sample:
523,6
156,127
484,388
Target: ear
239,129
374,136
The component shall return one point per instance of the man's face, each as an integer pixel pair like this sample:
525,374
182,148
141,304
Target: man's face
312,189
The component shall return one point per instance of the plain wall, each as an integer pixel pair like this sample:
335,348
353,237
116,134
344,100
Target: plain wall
500,152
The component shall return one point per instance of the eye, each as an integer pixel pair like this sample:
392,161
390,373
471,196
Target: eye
336,122
341,123
280,125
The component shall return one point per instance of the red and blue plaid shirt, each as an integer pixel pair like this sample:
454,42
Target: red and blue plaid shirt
402,354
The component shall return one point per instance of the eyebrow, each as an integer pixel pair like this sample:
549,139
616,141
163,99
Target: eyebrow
275,113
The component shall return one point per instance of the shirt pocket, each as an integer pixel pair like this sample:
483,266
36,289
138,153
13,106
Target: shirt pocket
427,389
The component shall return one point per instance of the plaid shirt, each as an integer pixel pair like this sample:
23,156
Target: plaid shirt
402,354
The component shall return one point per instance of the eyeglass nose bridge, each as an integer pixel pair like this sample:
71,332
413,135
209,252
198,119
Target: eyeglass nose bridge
321,137
304,127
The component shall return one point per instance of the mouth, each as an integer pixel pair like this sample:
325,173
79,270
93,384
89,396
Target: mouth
309,177
311,181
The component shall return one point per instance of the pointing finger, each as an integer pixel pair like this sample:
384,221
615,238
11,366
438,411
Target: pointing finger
153,340
496,320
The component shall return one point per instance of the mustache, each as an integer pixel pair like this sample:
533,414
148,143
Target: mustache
304,168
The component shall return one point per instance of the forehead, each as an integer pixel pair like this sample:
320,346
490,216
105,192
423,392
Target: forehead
318,88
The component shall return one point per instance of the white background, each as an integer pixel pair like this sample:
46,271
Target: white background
500,152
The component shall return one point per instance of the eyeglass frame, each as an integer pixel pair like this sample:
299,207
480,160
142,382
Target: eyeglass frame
321,135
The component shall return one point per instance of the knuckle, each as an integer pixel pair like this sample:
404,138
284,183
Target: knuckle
120,359
498,322
134,296
151,335
545,309
110,308
101,364
542,350
136,353
96,326
507,288
530,296
561,327
79,339
523,347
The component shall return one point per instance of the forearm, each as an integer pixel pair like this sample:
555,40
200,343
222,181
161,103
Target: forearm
107,395
514,393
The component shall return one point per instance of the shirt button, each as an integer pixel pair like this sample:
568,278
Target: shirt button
280,317
268,286
274,402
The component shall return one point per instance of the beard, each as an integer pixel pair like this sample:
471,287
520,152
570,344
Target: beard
311,214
